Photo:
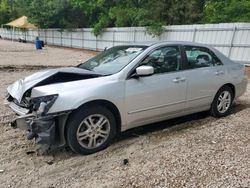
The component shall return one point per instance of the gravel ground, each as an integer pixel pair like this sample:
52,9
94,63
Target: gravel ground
192,151
18,54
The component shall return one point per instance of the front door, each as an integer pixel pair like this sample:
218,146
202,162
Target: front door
152,98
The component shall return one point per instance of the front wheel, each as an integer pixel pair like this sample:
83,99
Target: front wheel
222,103
91,129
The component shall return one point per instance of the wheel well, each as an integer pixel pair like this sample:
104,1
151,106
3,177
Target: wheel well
232,88
110,106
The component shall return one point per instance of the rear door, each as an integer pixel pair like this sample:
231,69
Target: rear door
205,75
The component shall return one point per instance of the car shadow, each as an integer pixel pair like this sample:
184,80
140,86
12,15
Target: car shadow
239,107
154,127
65,152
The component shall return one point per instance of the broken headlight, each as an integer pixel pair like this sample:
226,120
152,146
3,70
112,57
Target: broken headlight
42,104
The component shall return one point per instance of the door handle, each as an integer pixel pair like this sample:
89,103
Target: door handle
179,79
182,79
219,72
176,80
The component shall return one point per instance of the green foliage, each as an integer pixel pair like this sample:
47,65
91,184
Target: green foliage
4,11
51,13
102,23
99,14
7,11
126,13
227,11
184,12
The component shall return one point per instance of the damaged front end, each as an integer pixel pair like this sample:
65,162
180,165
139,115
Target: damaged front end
34,97
33,117
40,128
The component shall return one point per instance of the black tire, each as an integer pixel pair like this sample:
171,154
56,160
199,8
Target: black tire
214,107
75,121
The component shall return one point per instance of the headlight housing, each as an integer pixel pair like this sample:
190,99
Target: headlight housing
42,104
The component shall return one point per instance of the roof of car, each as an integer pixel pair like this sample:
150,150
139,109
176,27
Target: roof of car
151,43
159,43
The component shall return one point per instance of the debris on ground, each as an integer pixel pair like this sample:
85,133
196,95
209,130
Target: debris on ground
125,161
30,152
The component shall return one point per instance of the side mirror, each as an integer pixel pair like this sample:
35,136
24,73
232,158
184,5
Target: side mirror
144,70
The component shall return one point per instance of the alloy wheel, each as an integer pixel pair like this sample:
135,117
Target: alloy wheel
93,131
224,102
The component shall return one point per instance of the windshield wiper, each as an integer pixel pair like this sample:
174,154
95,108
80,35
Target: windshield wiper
91,72
79,66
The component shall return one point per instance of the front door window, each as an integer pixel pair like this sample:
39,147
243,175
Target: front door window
163,60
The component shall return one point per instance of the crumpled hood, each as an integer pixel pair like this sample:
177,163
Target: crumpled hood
18,88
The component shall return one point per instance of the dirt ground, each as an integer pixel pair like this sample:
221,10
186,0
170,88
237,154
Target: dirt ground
15,53
192,151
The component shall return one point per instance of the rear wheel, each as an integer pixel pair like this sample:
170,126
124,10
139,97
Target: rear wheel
222,103
91,129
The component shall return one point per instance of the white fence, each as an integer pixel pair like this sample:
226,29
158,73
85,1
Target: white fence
232,39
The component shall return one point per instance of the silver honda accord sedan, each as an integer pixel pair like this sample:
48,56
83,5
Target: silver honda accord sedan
126,86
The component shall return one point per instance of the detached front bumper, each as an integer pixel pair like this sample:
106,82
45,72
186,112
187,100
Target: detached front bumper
43,129
46,129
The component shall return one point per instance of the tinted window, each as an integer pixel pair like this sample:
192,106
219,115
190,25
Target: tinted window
165,59
200,57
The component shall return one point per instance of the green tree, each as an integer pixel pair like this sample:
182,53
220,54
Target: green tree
52,13
100,14
97,12
7,11
138,13
153,14
183,12
217,11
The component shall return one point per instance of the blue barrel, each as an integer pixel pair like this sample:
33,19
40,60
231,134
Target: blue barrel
38,44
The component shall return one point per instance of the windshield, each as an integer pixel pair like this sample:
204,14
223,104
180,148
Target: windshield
112,60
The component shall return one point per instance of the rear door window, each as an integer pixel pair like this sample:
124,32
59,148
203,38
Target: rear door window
198,57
